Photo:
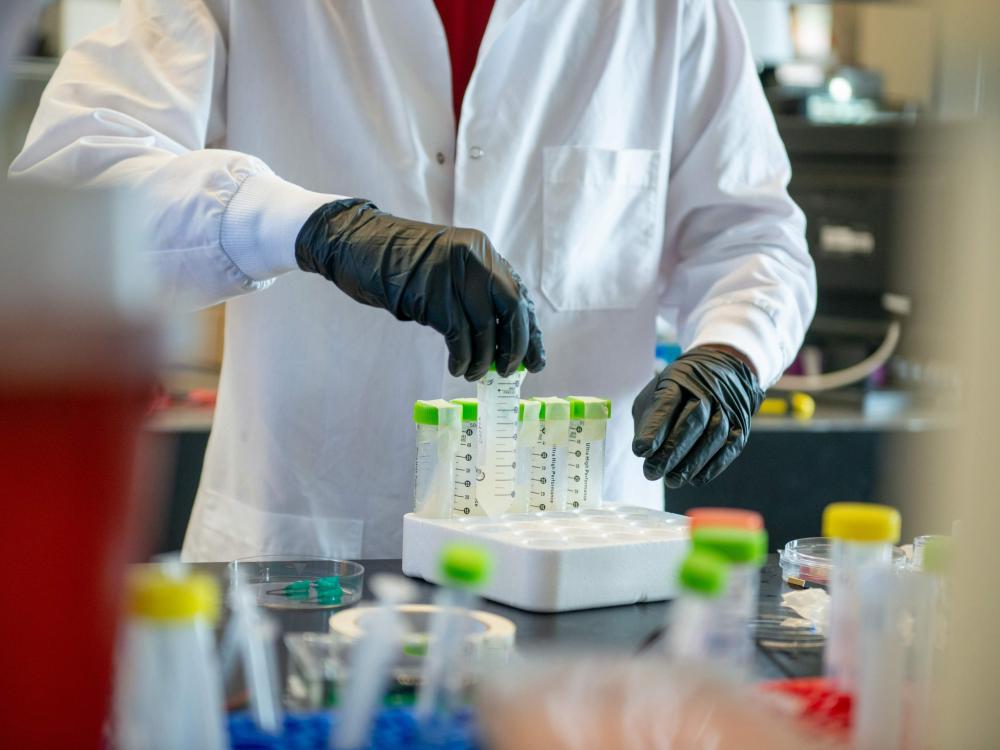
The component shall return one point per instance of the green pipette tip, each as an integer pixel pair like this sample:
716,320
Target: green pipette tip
740,546
297,587
465,565
704,572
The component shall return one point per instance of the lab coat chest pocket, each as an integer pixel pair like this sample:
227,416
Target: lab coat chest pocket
601,216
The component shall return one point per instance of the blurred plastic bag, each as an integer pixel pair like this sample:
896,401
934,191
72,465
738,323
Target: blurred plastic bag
812,604
627,704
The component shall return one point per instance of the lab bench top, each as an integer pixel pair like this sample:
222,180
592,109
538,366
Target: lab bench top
629,629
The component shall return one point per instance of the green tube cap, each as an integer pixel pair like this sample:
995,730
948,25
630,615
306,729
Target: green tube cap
737,546
520,368
436,412
704,572
553,408
470,408
465,565
588,407
530,410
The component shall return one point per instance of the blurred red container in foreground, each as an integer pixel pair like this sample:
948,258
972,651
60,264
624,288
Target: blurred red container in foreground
75,383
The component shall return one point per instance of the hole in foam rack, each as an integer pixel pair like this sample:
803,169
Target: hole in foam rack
608,526
531,528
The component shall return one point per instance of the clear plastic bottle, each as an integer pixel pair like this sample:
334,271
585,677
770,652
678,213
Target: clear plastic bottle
463,502
585,464
700,630
438,424
548,463
746,551
862,536
446,668
527,440
168,694
496,459
897,673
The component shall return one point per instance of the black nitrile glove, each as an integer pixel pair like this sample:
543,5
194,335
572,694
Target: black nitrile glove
450,279
693,418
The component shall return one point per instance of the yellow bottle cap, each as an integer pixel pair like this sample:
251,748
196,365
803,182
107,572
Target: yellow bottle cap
861,522
156,596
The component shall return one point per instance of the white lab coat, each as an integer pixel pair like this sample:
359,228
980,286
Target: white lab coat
619,153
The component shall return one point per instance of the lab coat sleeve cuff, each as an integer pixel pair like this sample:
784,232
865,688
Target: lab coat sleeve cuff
748,329
261,222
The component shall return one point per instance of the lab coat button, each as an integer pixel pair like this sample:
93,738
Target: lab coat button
440,157
475,152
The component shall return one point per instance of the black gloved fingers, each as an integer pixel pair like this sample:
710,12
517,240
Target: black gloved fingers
688,428
653,413
512,320
534,358
459,341
472,286
735,443
702,452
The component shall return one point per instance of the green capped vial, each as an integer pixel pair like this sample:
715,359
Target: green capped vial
438,425
588,429
496,459
548,462
527,440
463,501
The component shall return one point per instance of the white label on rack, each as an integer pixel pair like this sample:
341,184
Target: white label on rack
463,501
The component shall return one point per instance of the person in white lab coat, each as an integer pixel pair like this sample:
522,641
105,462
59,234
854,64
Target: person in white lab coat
619,154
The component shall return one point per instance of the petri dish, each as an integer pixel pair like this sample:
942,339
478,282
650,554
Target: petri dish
808,560
268,575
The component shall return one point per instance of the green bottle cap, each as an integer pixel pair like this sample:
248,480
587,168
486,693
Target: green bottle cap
530,408
465,565
520,368
704,572
552,408
738,546
436,412
470,408
588,407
